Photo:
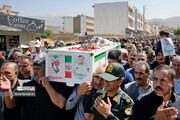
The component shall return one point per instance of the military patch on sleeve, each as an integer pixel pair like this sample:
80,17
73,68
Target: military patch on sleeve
128,100
103,95
116,98
128,111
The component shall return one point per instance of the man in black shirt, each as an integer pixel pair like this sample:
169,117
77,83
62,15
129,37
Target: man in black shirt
49,100
162,103
9,71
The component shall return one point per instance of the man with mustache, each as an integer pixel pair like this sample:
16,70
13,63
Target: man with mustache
48,102
141,56
9,71
142,84
111,103
162,103
131,59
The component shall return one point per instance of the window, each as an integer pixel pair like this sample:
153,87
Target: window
7,11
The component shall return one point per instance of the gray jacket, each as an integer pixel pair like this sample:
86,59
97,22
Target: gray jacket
132,89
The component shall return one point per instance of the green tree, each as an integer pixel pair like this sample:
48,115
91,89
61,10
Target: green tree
177,31
46,33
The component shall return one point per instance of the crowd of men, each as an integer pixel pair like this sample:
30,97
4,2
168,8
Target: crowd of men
139,83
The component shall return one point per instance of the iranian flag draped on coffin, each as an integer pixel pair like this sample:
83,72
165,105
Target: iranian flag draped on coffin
76,64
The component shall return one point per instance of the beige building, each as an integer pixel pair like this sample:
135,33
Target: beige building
8,10
139,23
17,29
154,29
147,29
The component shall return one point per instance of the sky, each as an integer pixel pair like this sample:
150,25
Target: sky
153,8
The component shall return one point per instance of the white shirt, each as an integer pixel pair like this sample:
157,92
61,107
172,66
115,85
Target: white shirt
40,55
177,86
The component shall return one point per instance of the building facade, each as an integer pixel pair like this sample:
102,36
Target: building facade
147,29
154,30
17,29
8,10
117,19
81,24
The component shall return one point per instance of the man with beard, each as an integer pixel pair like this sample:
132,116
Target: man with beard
49,99
2,58
131,59
8,71
162,103
111,102
142,84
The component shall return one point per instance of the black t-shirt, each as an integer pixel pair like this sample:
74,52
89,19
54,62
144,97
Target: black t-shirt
14,113
20,76
41,107
147,104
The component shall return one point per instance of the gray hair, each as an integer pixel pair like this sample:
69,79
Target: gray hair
171,72
143,63
141,53
176,58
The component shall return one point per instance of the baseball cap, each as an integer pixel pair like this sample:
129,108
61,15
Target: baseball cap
61,42
39,62
24,46
113,72
37,44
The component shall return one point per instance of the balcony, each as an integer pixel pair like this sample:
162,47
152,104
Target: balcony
90,21
90,27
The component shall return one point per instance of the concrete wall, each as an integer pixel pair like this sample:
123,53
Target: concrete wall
83,25
68,25
77,24
110,18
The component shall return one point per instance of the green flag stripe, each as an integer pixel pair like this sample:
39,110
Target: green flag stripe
117,47
68,59
100,56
